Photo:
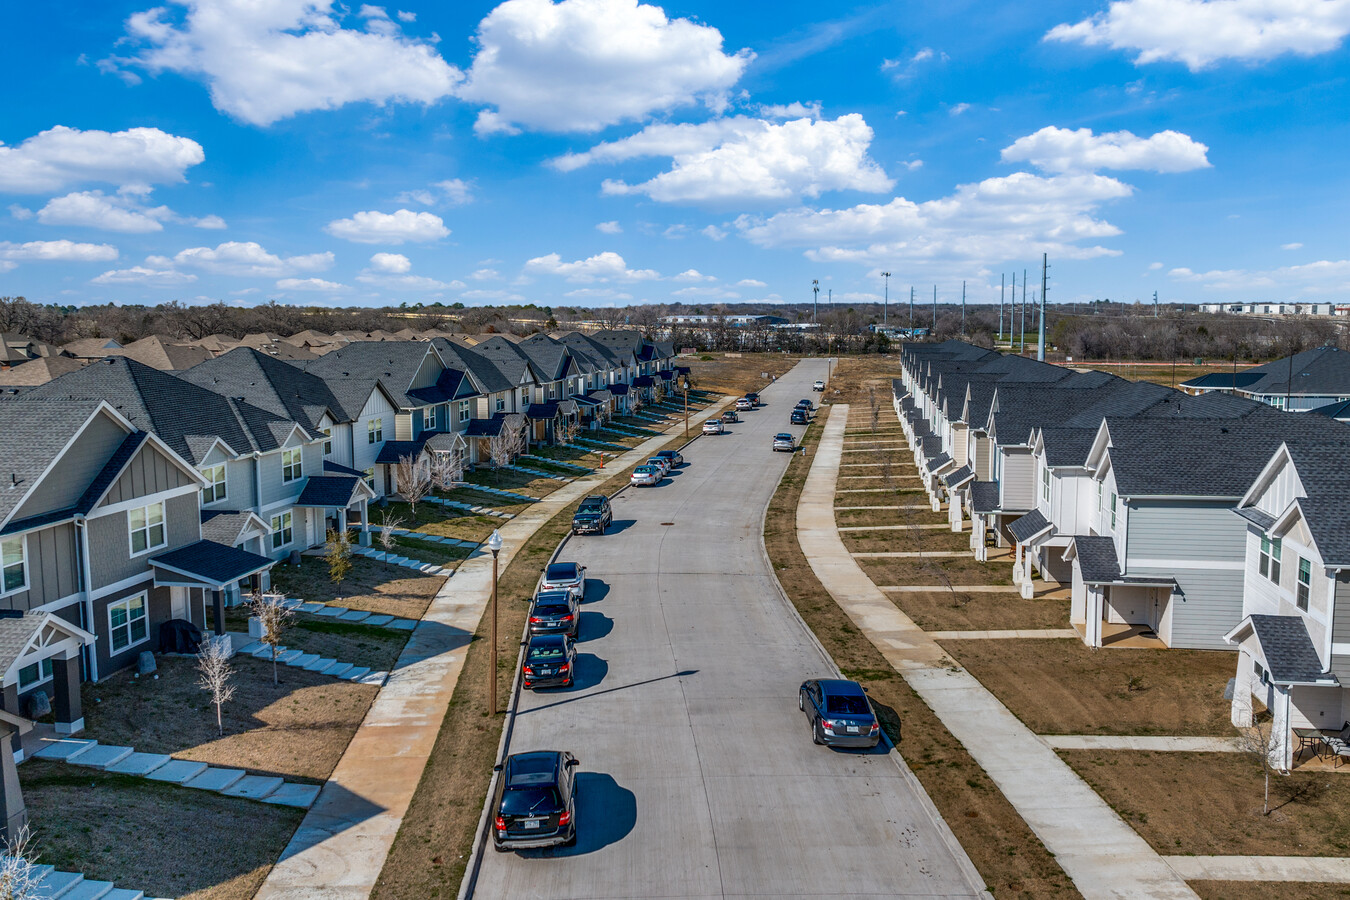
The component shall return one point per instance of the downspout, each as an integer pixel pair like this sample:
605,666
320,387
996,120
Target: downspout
86,581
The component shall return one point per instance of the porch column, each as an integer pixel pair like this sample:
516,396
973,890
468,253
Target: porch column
364,511
218,609
977,529
66,681
11,796
1241,715
342,520
954,512
933,494
1017,573
1281,749
1092,616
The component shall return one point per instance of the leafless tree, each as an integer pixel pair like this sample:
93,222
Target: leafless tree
213,676
273,615
447,467
388,524
338,556
506,444
20,873
412,480
873,407
565,430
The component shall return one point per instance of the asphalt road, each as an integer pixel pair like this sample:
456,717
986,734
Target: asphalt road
698,777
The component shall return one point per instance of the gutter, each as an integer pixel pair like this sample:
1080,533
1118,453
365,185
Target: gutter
82,547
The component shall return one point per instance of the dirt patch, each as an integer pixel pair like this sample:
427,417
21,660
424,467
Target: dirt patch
167,841
1162,795
1007,854
1161,373
958,570
905,540
734,375
297,729
854,375
1064,687
373,586
1264,890
922,516
971,611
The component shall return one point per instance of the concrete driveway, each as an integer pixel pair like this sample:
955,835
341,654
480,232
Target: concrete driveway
698,777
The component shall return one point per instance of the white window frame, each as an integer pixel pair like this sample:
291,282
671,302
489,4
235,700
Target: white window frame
1269,562
464,410
292,465
114,629
283,525
22,541
501,404
328,441
214,491
369,474
524,397
147,528
375,431
1113,510
1045,483
1302,588
45,672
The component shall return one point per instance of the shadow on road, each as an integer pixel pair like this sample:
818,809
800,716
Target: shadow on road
606,814
596,590
590,671
620,525
621,687
593,626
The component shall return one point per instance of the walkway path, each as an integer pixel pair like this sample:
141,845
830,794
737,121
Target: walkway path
1016,633
340,847
1157,743
1103,856
1262,868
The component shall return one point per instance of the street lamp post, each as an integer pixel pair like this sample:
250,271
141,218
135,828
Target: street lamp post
815,298
684,383
886,299
494,543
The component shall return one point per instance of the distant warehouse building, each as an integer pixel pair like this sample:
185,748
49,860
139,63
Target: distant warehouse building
733,321
1276,309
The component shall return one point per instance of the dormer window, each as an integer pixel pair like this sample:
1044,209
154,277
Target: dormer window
328,441
1269,564
214,491
291,468
1303,592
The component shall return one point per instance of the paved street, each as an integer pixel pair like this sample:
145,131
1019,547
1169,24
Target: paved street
698,777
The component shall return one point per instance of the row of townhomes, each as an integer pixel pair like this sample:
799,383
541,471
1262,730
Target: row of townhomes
1212,521
133,496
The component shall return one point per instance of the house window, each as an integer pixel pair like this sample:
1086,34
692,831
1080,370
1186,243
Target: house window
127,623
13,575
369,472
290,465
281,531
1270,559
1304,590
374,431
147,528
1045,484
1113,511
328,441
501,404
214,491
37,673
524,397
464,410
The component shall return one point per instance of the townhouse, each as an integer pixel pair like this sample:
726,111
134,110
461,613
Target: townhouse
1297,383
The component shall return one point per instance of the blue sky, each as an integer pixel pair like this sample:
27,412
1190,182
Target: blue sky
593,152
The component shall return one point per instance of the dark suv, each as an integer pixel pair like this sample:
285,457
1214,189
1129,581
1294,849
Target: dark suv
592,516
800,417
535,803
555,612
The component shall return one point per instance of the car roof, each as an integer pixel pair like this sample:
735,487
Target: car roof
552,596
594,498
839,687
667,453
782,434
533,768
560,567
547,640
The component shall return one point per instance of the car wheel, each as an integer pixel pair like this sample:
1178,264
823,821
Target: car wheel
816,737
498,847
571,841
801,702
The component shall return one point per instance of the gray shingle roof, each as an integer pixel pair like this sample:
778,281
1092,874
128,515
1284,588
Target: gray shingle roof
1323,370
15,633
939,461
212,563
223,525
984,496
958,477
480,368
1289,652
1096,559
272,384
351,371
33,434
328,490
1329,523
1029,526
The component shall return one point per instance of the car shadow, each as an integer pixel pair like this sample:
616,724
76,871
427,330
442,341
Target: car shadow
590,671
618,526
596,590
606,814
593,626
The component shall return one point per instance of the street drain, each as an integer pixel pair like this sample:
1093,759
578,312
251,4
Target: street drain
667,523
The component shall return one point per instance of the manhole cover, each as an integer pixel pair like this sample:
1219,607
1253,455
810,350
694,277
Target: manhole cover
667,523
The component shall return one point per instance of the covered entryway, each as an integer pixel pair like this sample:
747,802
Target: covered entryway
209,566
41,652
335,496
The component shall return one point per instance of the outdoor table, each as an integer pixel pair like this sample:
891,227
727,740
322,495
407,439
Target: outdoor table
1311,738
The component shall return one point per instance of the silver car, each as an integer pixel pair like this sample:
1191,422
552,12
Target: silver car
661,463
713,426
784,441
564,576
645,476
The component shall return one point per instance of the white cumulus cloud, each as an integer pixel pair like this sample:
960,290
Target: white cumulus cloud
310,284
609,228
452,192
122,212
743,159
244,258
390,263
580,65
606,266
56,251
693,275
1065,150
1200,33
146,275
62,157
373,227
1322,278
1293,246
264,61
750,282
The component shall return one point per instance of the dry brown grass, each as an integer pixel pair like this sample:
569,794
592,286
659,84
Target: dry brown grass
958,570
924,516
906,540
1210,804
1064,687
735,375
1160,373
373,586
957,611
162,839
297,729
1007,854
855,374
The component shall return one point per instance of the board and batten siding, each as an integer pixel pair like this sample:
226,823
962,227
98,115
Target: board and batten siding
149,472
77,467
274,490
52,568
1018,480
1340,627
110,559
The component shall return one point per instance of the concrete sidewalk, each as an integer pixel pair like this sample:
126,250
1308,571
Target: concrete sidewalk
340,847
1157,743
1103,856
1014,634
1331,870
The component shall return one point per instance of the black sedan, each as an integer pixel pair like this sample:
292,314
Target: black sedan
555,612
535,804
550,661
840,713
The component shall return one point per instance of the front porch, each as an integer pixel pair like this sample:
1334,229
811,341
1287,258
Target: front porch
1122,636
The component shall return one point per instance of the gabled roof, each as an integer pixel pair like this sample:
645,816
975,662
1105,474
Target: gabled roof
513,363
35,434
1323,370
551,359
1286,647
91,347
207,563
224,526
354,369
39,371
161,353
958,477
324,491
1032,525
1096,559
984,497
484,374
273,385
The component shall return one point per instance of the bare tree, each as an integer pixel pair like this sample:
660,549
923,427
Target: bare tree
447,467
565,430
388,524
873,407
213,676
1258,743
338,556
412,479
20,873
506,444
274,615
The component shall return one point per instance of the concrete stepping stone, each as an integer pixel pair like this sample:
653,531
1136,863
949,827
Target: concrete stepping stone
311,606
378,619
357,673
178,771
253,787
250,649
301,796
303,661
214,779
403,624
265,652
58,884
331,612
289,655
292,604
123,894
65,748
319,664
376,678
337,669
101,757
88,890
139,764
354,615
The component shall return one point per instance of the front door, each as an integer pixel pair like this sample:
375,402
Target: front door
178,603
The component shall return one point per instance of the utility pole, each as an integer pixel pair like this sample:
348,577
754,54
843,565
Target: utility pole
935,310
1012,312
1024,309
815,298
886,297
1002,283
911,310
1155,304
963,307
1045,269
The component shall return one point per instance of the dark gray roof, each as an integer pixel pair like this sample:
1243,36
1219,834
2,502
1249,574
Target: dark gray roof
328,490
984,496
930,445
1323,370
1097,559
939,461
542,411
212,563
550,358
1256,517
1067,446
958,477
1223,380
484,427
481,369
1338,410
351,371
223,525
1024,528
514,363
33,433
617,390
1289,652
274,385
1329,525
333,468
394,451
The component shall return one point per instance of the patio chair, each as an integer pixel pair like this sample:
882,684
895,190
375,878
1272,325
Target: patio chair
1339,744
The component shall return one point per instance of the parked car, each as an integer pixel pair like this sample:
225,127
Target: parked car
713,426
592,516
753,397
799,417
645,476
555,612
549,661
840,713
730,417
818,386
673,457
745,403
660,463
784,441
564,576
534,804
805,404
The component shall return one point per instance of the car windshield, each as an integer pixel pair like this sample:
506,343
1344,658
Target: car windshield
847,705
552,609
547,651
561,571
782,437
591,505
525,800
644,470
